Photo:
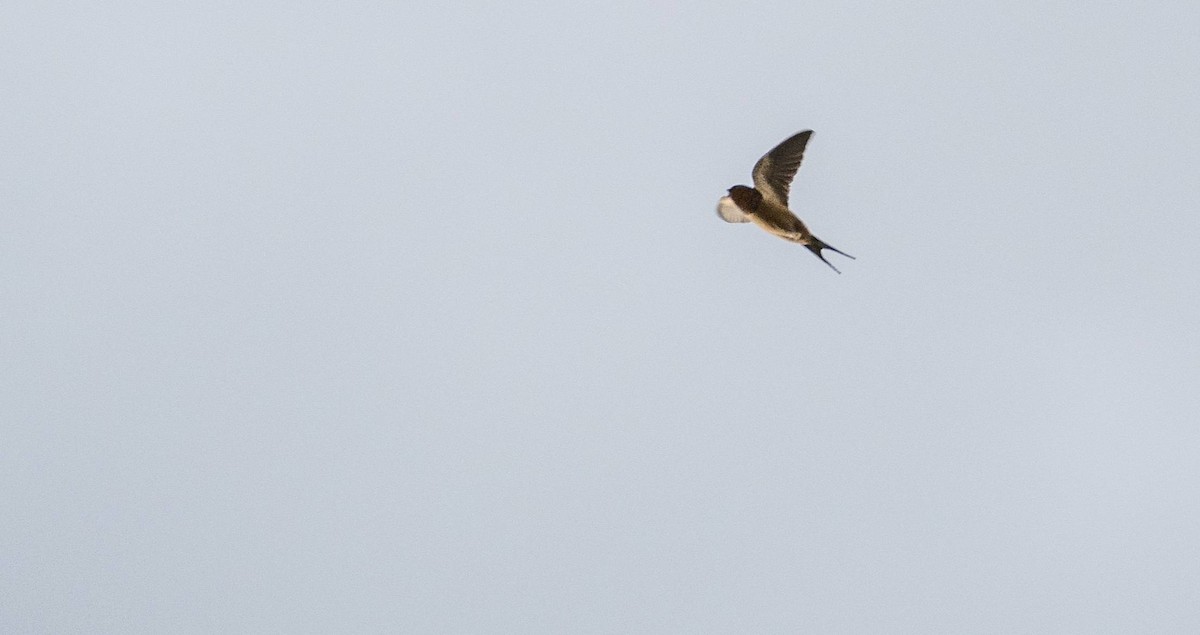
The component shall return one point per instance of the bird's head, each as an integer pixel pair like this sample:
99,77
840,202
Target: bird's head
746,198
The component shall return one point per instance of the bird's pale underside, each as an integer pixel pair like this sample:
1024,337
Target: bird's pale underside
766,204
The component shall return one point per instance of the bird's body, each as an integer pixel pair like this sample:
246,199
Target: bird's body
780,221
766,204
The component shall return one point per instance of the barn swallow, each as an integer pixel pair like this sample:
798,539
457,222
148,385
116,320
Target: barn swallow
766,204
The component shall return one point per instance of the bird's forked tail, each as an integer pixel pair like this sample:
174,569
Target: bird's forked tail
815,245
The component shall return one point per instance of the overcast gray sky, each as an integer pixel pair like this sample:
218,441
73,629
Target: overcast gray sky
417,317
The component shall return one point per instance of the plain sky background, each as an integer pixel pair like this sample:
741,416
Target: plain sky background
417,317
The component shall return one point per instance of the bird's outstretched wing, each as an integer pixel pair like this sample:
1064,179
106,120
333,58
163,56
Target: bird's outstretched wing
773,173
729,212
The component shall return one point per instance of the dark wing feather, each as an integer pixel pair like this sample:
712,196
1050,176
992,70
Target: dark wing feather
774,172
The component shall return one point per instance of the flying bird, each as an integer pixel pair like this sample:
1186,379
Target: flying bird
766,204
